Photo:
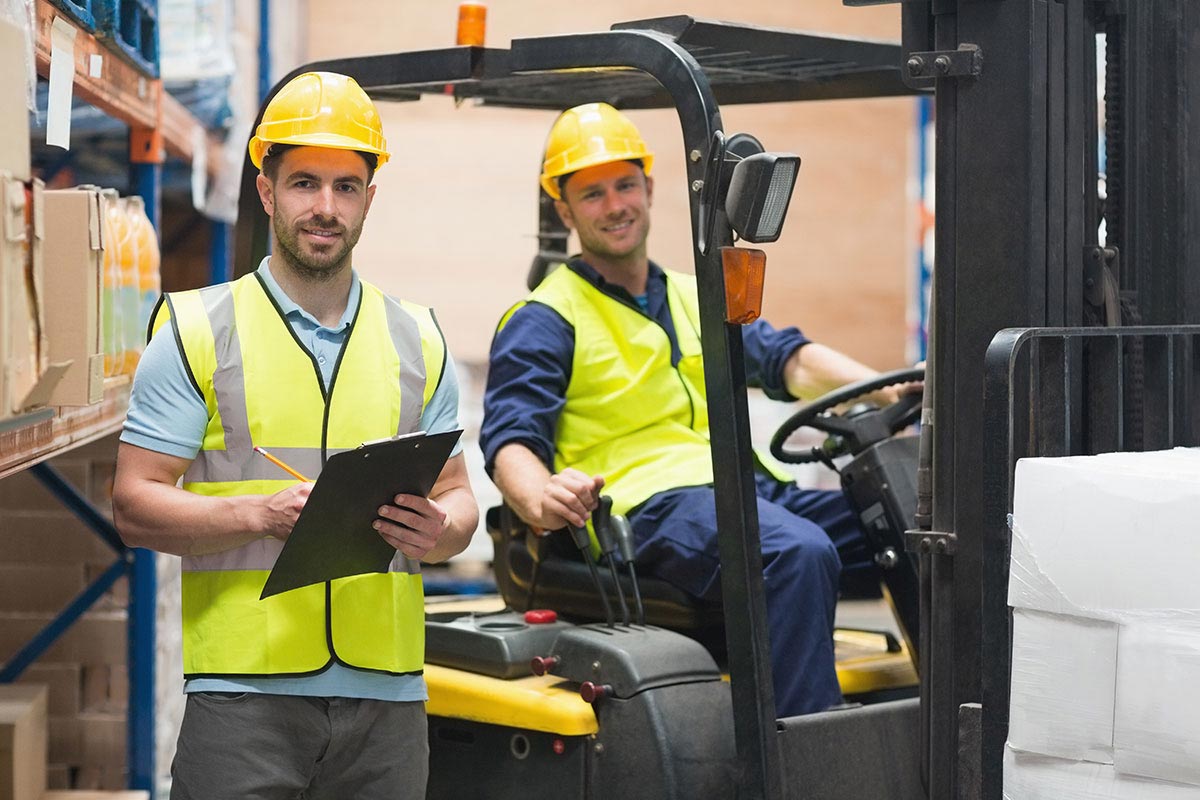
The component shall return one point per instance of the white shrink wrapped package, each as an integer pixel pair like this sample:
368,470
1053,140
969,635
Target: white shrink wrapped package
1106,536
1063,674
1157,721
1028,776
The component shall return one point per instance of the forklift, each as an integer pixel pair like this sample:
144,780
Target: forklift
1023,240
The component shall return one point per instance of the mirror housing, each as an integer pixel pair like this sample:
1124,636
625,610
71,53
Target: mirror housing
759,192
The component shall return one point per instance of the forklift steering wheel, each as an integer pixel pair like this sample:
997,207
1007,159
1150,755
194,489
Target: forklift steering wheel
856,429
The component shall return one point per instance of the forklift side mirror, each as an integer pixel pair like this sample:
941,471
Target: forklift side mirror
759,193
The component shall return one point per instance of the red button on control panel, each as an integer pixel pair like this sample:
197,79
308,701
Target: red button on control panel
540,616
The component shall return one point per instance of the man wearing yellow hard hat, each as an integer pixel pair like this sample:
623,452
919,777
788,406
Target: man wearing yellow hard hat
316,692
596,382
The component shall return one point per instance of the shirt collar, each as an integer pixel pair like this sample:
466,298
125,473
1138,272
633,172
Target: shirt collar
292,309
655,278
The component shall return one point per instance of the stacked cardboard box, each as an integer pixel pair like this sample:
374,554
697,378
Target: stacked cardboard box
49,557
26,374
1105,689
22,742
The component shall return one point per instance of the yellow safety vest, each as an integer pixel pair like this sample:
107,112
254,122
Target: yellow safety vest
263,388
630,415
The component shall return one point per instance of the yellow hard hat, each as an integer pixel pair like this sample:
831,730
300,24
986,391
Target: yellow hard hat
587,136
321,109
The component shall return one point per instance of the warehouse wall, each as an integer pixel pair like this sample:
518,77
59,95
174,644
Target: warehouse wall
455,214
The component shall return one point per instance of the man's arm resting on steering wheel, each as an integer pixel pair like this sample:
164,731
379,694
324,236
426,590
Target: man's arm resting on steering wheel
814,370
545,500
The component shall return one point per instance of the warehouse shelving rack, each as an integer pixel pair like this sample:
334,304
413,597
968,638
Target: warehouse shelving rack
158,125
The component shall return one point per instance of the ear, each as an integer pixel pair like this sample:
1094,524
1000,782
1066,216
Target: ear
370,197
266,193
649,191
564,213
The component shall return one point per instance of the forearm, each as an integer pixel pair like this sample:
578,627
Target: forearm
150,510
462,518
814,370
168,519
521,478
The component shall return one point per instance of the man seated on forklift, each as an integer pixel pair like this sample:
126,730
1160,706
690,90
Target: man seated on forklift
596,382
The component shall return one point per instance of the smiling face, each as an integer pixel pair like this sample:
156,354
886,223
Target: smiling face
609,207
317,202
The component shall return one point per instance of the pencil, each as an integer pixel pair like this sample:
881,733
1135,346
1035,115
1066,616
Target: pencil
281,465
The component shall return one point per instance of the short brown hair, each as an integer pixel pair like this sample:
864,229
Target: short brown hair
274,154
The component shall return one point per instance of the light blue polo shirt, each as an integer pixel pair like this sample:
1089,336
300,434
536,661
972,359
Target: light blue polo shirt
167,416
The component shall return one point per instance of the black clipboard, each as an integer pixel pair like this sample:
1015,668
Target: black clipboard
333,537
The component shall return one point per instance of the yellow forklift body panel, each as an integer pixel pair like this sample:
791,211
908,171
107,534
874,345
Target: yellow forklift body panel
532,703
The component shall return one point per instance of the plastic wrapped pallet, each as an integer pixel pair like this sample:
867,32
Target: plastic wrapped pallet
1029,776
1106,627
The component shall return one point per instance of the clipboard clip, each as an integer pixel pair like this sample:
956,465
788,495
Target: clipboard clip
387,439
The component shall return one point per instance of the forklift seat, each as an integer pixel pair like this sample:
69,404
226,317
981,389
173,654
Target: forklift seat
548,572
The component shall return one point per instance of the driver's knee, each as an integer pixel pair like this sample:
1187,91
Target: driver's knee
799,552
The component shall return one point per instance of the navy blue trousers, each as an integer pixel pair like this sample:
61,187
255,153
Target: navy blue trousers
807,537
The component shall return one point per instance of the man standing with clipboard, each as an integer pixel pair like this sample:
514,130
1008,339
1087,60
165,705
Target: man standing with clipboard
316,692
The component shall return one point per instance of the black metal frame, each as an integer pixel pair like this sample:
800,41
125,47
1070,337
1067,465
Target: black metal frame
1060,392
1017,245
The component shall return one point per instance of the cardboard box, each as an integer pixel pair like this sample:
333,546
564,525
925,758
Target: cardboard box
96,637
1064,677
23,492
90,794
40,587
64,682
92,739
22,742
14,99
105,687
49,537
73,267
26,378
58,777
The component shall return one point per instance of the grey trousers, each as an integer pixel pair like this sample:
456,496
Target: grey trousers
275,747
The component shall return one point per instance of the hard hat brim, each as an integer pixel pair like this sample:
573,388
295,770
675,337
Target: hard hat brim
550,180
334,141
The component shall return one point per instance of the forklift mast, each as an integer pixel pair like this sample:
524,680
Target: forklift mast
1019,245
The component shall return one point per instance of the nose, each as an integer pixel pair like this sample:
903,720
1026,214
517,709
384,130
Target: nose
612,204
323,204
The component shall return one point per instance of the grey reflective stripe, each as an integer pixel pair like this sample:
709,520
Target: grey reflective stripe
213,466
406,338
261,554
402,563
229,388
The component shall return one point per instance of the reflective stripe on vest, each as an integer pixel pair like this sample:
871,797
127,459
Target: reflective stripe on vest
272,394
630,415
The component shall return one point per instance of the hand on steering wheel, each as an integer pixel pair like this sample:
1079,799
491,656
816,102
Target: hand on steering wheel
850,433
